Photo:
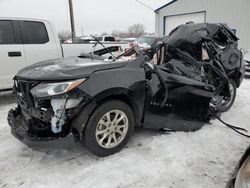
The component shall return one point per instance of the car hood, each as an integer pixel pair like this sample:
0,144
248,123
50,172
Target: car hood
65,68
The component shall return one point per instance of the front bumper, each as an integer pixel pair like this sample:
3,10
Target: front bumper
20,129
44,119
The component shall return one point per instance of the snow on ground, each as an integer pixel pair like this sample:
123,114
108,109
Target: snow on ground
205,158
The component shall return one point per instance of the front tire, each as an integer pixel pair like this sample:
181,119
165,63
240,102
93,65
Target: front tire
109,128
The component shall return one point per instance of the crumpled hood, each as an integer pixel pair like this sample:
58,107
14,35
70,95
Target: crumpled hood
65,69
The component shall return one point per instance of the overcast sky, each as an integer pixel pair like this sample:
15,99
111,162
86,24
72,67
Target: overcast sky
91,16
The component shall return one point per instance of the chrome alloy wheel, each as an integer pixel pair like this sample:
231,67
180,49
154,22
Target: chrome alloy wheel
111,129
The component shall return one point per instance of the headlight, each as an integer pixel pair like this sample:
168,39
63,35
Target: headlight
50,89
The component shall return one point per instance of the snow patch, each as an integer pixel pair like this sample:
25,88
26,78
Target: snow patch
205,158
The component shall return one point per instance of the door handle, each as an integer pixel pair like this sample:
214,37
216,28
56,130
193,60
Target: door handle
14,54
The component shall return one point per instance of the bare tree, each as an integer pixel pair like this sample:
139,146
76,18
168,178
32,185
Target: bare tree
133,31
103,34
64,35
116,33
136,30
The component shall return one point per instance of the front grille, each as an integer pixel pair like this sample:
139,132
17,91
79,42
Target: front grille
23,88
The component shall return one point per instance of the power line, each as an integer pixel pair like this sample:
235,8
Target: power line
145,5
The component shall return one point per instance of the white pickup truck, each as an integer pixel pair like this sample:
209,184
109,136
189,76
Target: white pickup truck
27,41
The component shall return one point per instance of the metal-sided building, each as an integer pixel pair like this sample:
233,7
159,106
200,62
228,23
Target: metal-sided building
235,13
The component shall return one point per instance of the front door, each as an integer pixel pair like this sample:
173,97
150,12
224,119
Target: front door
11,53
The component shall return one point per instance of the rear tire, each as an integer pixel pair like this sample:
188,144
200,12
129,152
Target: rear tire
109,128
229,102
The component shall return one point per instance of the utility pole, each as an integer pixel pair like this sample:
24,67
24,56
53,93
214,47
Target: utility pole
72,21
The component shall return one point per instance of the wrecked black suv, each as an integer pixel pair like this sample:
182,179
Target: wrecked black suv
99,100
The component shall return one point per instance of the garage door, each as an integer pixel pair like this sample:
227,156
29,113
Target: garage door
172,22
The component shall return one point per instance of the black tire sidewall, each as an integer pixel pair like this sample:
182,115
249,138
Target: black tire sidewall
90,138
226,108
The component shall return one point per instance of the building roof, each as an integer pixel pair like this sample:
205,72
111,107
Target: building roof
173,1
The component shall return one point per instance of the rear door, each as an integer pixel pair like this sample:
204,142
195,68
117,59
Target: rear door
179,106
12,57
39,41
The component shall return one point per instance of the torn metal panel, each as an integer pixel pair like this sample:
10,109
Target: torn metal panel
197,76
205,52
190,37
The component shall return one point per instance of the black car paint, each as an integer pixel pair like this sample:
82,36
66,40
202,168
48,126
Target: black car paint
188,39
69,68
129,85
186,107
